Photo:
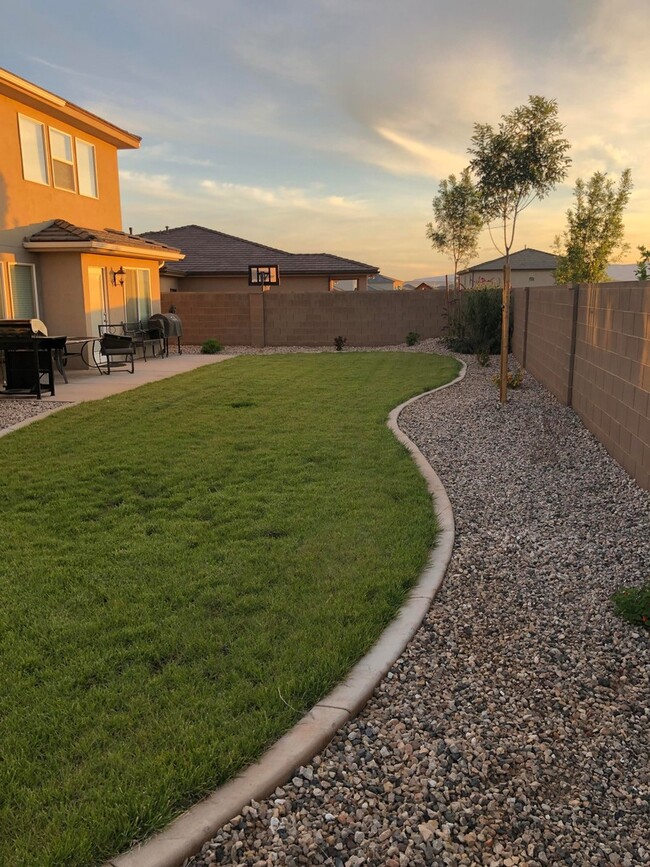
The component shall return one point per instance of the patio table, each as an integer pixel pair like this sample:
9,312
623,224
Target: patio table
76,347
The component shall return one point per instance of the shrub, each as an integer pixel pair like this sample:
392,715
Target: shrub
474,322
514,379
483,358
633,604
340,342
211,347
412,338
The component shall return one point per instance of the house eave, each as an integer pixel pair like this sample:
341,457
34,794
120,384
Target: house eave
49,103
103,247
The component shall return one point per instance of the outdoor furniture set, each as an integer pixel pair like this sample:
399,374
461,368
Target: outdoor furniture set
29,355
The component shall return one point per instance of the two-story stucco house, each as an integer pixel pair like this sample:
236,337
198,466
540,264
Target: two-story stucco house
63,256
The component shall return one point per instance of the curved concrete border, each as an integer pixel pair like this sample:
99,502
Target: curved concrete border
186,834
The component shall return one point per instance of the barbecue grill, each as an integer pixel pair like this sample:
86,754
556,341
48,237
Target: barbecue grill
171,325
27,352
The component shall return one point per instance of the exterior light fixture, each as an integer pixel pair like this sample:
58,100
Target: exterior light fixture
118,276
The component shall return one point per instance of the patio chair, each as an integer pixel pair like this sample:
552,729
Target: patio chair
119,351
143,337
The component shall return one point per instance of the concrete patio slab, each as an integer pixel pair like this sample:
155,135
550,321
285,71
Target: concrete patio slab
91,385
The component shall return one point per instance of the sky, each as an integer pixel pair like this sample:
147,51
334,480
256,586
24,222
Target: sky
327,125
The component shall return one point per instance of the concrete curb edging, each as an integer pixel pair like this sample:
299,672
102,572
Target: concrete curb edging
185,835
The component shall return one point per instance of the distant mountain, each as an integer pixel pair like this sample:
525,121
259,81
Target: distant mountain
438,280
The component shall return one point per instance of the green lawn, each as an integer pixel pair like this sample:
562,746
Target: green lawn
185,569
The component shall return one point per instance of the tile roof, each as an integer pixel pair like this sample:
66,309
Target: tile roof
523,260
60,231
208,251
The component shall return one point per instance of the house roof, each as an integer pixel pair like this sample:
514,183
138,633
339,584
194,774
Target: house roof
523,260
381,282
37,97
208,251
61,235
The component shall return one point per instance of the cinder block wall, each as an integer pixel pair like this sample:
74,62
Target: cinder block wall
307,319
548,342
209,314
364,318
611,373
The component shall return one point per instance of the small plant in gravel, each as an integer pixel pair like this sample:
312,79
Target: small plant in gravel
412,338
211,347
483,357
339,343
633,604
514,379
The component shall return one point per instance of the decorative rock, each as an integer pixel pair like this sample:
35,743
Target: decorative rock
513,729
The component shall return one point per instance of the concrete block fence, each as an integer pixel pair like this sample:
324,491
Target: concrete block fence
309,318
590,346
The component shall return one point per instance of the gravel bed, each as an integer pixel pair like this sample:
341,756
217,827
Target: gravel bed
14,411
515,728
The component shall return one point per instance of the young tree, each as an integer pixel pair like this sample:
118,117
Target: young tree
457,219
643,265
595,231
524,159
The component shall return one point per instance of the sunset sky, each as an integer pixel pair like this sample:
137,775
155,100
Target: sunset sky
326,125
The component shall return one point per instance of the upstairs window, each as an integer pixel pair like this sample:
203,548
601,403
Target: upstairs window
86,170
62,160
32,149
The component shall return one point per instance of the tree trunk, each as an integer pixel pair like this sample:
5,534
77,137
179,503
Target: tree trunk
505,327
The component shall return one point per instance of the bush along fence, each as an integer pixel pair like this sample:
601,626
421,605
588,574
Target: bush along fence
590,346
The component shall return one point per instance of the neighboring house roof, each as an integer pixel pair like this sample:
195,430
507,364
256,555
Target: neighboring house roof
423,285
208,251
381,282
55,106
522,260
63,236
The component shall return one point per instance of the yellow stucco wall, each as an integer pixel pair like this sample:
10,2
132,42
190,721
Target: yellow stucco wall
64,291
26,206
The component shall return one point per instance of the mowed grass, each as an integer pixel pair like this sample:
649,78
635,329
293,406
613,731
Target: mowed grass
185,570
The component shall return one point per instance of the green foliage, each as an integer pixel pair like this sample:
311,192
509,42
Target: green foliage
483,358
211,347
595,231
514,379
643,265
474,324
412,338
339,343
633,604
524,159
217,556
457,219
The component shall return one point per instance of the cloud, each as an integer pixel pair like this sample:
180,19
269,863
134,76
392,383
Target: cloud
280,197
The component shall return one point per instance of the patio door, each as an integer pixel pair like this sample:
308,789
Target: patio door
98,303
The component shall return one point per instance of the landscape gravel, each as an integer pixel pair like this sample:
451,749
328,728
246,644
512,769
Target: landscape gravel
514,730
14,411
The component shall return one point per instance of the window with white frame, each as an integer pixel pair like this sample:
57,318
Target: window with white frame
137,287
62,160
22,291
32,150
3,296
86,168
